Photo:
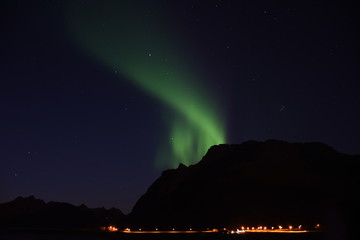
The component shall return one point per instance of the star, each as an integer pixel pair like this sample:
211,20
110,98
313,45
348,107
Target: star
282,108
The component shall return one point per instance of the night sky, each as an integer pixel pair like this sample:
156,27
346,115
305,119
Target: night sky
97,98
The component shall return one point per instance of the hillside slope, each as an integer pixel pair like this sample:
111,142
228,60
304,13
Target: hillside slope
272,182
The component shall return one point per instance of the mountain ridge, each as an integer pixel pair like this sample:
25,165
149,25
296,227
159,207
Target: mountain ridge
271,182
36,213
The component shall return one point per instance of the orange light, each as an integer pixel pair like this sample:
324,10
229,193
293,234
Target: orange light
239,231
112,229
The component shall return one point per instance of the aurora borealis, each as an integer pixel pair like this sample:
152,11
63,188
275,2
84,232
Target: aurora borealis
98,98
139,46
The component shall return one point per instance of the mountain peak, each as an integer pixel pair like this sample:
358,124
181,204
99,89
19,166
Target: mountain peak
277,181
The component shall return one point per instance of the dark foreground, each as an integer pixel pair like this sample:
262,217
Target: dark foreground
85,235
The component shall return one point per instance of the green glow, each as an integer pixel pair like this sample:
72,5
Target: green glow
126,37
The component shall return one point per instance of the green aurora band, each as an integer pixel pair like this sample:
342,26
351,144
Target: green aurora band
125,37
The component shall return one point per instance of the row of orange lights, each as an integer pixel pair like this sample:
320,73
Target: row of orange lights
243,229
290,227
265,228
110,229
272,229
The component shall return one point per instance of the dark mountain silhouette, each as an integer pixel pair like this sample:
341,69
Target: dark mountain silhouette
272,182
35,213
